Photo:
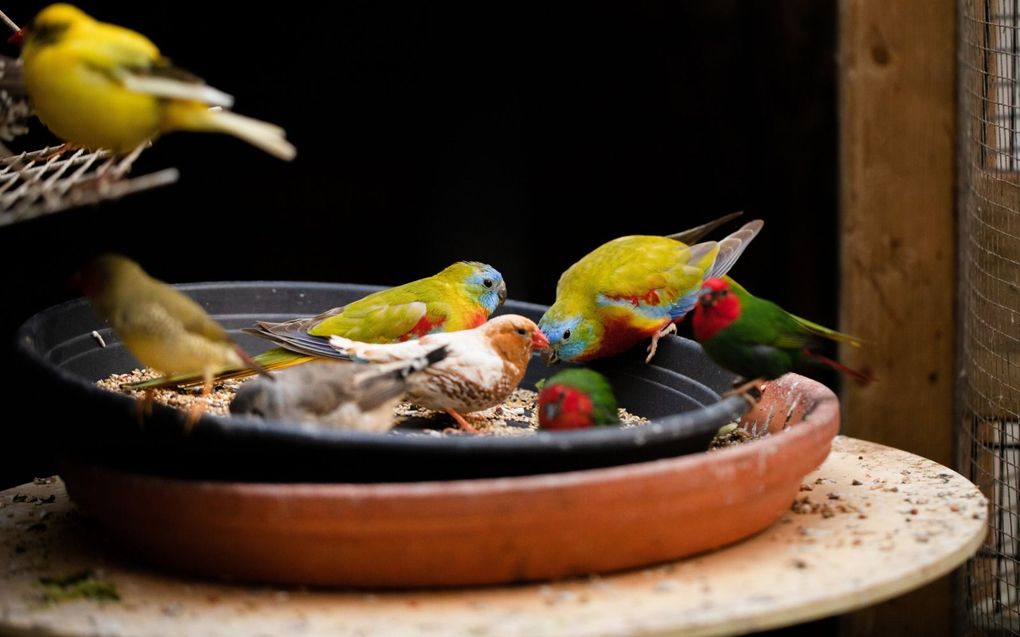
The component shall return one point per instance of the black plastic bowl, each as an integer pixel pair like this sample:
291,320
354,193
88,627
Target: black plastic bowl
678,391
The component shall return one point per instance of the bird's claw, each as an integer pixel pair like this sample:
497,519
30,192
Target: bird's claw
751,391
654,345
465,426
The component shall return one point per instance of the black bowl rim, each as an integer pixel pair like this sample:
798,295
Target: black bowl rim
682,425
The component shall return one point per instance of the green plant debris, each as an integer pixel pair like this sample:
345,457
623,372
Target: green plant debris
80,585
32,499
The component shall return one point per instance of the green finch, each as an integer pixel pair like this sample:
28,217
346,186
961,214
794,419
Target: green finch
755,338
162,327
576,398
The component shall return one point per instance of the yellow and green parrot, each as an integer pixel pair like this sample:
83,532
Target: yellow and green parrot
635,288
460,297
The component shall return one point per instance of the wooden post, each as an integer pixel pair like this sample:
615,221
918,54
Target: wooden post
897,92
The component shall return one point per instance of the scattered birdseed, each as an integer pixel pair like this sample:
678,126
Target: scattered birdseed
516,416
217,402
731,435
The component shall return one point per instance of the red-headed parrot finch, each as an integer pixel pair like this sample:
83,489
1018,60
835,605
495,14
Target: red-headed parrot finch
483,366
161,327
633,289
576,398
358,396
756,338
460,297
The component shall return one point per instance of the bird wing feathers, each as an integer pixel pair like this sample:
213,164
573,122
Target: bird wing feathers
133,61
630,268
190,314
370,322
732,247
386,352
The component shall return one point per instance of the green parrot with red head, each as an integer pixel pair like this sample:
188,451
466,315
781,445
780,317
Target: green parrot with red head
756,338
576,398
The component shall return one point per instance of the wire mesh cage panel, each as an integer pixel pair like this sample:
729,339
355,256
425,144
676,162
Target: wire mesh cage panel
39,182
989,241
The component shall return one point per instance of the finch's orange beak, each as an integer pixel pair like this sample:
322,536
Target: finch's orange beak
18,36
538,340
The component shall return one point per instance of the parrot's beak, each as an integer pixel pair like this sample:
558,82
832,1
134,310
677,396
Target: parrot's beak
539,340
501,292
551,410
18,36
550,357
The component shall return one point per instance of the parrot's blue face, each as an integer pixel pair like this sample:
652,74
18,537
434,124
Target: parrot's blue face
570,337
486,285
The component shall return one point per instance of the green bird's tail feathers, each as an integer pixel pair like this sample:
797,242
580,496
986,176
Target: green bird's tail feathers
269,360
825,332
840,367
811,326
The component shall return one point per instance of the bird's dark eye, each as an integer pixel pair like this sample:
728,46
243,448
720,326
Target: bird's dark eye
487,283
522,331
566,335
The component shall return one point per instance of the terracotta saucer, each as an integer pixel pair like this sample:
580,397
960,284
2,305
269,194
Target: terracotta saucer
496,530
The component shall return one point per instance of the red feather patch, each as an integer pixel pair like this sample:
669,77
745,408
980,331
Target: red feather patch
715,311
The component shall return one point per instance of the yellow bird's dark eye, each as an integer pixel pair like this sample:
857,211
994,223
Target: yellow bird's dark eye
487,283
566,335
522,331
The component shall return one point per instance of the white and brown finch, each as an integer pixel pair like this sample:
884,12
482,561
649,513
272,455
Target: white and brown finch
358,396
482,367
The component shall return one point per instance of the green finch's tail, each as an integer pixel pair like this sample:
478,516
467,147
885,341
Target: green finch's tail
269,360
811,326
825,332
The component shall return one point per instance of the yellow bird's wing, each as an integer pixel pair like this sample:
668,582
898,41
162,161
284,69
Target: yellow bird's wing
372,322
630,268
184,309
133,61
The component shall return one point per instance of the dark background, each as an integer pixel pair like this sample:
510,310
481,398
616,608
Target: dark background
496,132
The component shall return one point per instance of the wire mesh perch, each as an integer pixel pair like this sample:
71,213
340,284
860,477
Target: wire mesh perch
53,179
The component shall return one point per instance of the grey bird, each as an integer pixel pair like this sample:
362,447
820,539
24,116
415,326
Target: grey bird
349,395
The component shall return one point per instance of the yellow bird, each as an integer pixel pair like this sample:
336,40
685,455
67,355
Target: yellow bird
163,328
99,85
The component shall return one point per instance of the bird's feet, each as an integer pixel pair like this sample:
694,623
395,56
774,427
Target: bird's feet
194,413
116,167
143,406
463,425
198,407
750,391
654,345
60,150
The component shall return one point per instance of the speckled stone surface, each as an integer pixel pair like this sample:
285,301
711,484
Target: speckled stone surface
869,524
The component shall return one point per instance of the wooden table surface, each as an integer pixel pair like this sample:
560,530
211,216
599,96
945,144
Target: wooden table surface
871,523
